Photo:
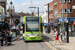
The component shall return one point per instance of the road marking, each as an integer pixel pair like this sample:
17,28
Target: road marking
43,48
50,46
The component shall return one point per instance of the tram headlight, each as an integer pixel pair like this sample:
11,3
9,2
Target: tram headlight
27,35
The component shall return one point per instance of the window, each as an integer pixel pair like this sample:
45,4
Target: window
60,11
55,3
32,23
66,0
51,16
51,8
56,11
60,1
69,10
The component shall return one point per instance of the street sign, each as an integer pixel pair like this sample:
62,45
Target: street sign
68,10
73,7
71,19
61,19
58,15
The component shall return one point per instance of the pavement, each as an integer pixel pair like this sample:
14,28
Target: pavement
64,45
16,37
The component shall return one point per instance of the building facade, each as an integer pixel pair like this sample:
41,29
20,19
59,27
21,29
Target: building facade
56,14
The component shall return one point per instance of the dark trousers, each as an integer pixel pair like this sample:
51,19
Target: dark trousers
1,42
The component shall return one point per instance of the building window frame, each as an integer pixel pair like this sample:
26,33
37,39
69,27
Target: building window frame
65,11
68,1
55,3
55,12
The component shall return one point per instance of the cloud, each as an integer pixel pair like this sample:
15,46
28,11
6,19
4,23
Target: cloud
26,3
24,6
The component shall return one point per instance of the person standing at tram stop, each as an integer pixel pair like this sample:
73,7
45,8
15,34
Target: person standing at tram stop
1,38
10,34
56,36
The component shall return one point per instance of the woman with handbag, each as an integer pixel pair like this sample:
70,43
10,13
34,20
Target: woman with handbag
56,36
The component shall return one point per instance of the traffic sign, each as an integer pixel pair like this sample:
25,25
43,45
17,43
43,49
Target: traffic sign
68,10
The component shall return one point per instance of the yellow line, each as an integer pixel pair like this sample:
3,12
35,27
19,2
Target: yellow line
50,46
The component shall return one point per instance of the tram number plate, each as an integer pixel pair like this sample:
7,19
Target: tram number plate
32,37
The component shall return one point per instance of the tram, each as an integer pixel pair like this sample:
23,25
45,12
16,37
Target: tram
32,28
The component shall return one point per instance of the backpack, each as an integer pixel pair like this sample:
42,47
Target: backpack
58,34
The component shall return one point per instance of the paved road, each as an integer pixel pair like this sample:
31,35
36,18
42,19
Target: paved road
20,45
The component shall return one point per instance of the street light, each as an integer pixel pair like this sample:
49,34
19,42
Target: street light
34,10
11,11
67,22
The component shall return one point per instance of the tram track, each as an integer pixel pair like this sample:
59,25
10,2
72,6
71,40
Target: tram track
43,48
26,46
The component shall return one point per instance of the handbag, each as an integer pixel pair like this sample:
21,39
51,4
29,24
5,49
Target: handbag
1,38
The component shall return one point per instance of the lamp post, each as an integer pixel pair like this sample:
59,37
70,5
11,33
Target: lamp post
11,11
63,19
67,22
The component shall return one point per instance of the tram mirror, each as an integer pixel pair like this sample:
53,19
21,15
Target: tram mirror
41,27
23,28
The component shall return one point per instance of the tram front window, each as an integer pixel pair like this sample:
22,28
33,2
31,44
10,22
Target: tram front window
32,24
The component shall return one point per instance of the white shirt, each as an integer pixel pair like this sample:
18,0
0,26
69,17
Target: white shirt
54,33
10,33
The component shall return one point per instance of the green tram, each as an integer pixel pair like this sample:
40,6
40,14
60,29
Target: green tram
32,28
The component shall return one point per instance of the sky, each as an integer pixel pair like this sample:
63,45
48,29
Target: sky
23,5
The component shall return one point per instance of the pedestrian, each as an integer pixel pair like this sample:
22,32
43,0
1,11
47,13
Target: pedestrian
1,38
6,38
56,36
10,34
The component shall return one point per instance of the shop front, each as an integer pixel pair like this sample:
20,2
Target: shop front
71,26
61,28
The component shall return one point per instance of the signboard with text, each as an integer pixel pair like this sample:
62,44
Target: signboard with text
61,19
71,19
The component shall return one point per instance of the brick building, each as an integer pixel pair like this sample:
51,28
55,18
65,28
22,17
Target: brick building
56,8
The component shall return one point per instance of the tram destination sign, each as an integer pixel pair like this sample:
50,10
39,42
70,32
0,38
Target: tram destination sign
32,18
